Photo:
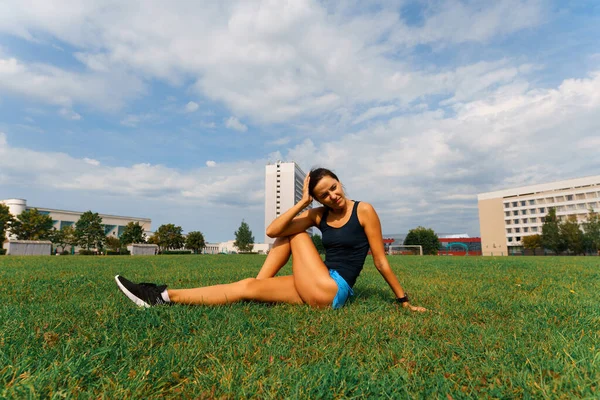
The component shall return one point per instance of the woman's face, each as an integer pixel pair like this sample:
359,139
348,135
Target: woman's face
329,192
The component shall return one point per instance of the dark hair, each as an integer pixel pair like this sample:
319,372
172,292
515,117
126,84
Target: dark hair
316,174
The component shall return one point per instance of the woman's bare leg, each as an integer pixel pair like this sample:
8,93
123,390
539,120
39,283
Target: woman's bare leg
277,258
280,289
310,282
311,277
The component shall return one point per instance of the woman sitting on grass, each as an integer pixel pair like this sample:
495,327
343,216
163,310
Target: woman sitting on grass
348,227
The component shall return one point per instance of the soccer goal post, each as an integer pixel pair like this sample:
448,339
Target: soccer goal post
406,249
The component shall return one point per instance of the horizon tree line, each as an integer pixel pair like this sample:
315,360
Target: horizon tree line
89,233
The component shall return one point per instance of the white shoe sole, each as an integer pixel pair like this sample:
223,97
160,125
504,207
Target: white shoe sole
139,302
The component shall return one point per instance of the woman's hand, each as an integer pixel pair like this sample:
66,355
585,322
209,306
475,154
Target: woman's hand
306,197
414,308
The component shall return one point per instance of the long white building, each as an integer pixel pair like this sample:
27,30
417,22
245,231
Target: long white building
506,216
283,189
113,224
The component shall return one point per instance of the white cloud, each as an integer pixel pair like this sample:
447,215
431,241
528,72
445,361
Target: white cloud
374,112
487,145
235,124
455,21
91,161
52,85
191,107
269,61
133,120
69,114
211,163
227,184
281,141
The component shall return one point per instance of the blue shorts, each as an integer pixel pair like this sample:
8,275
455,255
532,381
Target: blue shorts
344,290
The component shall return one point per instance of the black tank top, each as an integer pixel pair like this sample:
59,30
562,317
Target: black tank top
346,247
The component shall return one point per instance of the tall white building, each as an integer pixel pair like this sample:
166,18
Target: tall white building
283,189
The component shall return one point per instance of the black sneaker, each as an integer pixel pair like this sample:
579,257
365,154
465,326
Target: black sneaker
142,294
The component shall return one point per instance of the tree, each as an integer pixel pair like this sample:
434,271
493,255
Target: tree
6,219
195,241
113,243
169,236
244,240
551,238
63,237
89,231
32,225
532,242
318,242
133,233
153,239
572,235
591,235
425,237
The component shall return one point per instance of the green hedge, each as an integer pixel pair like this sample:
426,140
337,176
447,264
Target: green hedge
171,252
2,252
117,253
84,252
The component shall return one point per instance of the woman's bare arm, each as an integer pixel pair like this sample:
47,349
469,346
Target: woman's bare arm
370,222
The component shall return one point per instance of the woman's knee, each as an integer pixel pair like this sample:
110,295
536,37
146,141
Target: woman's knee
297,236
284,240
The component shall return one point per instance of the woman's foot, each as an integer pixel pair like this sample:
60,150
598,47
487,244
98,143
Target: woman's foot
143,294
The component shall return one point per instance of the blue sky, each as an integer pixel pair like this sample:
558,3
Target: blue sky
171,110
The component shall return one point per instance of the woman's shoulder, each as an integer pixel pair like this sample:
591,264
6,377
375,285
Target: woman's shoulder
316,214
365,212
363,206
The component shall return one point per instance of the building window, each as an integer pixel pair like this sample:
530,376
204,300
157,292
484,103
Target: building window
518,238
523,212
580,196
514,203
526,229
516,221
524,220
510,239
531,202
507,222
517,230
534,229
516,212
506,205
550,200
532,211
569,197
533,220
509,230
581,206
507,213
523,203
542,210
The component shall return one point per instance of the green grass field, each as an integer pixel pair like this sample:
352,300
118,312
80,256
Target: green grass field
513,327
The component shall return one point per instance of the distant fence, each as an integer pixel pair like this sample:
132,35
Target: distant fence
459,253
139,249
28,247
